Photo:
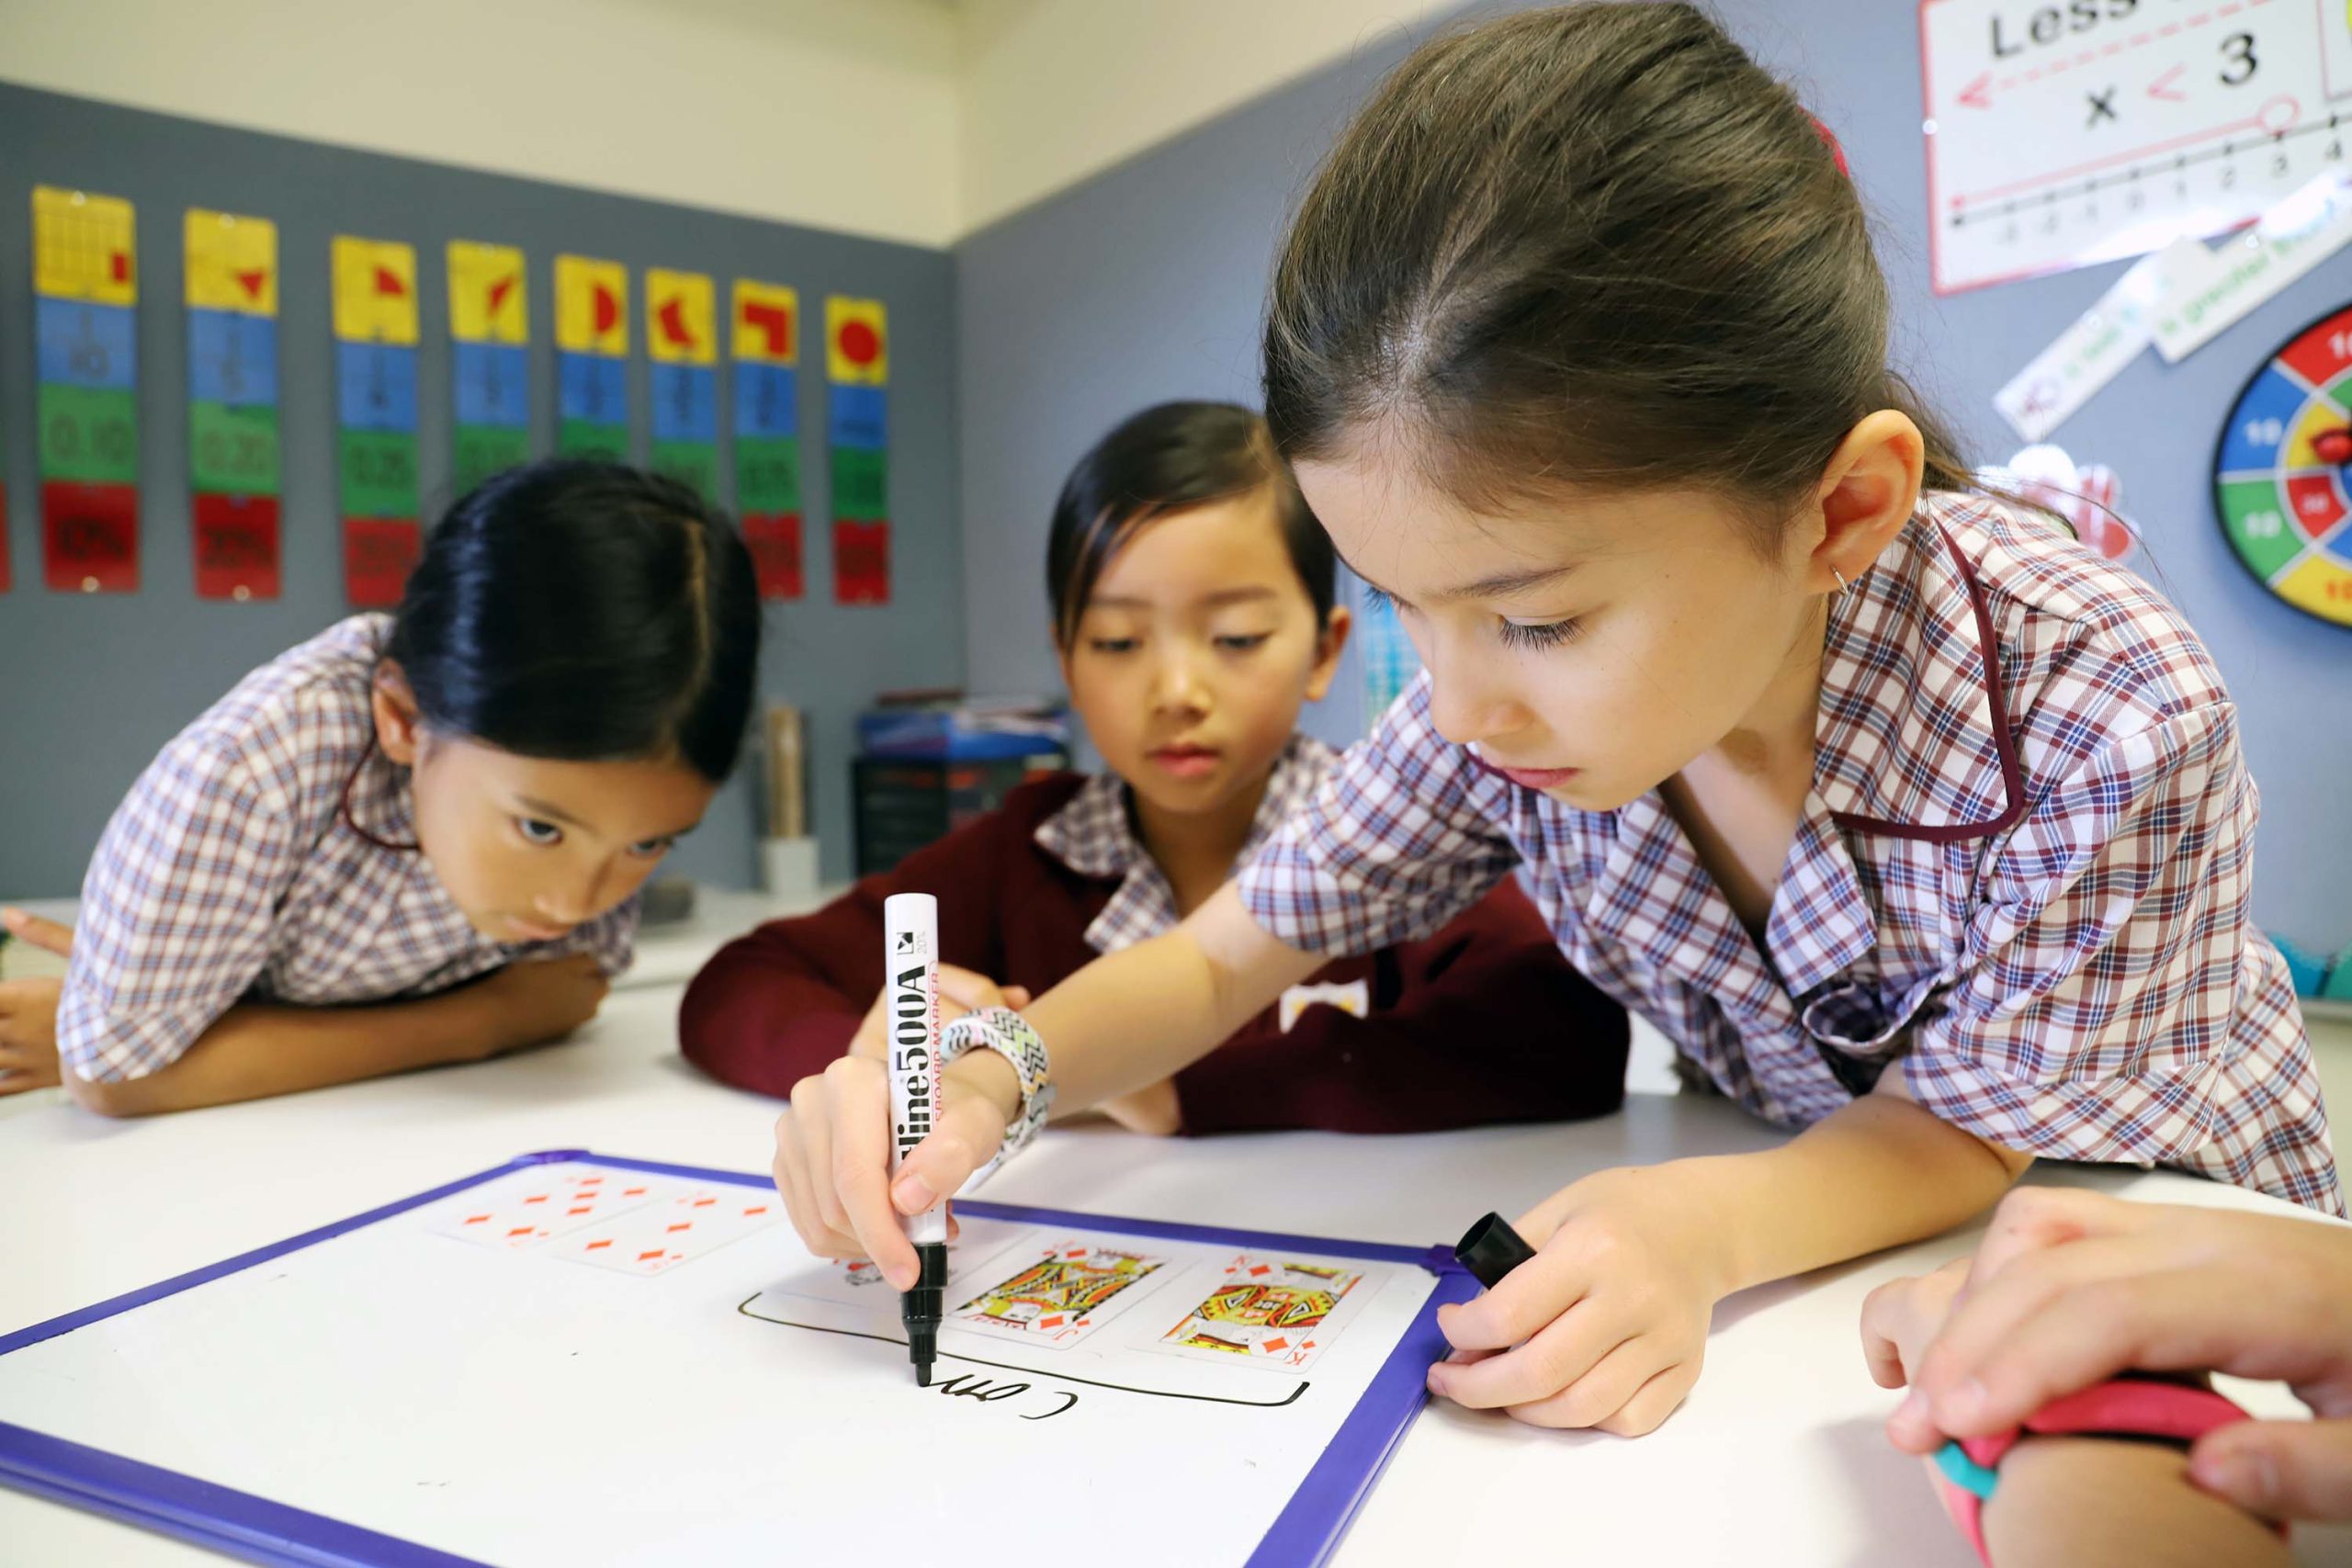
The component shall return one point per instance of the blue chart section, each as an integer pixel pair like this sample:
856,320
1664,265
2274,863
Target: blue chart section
2264,420
685,403
375,386
232,358
82,345
861,418
768,399
493,384
592,387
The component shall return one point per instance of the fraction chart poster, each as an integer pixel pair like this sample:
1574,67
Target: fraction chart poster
575,1358
2061,135
231,262
85,332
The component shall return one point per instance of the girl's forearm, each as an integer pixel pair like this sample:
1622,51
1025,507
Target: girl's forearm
1878,1173
1133,1017
2098,1502
257,1050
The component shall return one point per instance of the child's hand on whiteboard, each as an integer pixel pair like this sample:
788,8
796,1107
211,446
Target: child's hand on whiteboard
832,1155
1607,1325
960,991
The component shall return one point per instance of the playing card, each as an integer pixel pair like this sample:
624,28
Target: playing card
662,1234
533,1206
1269,1310
1056,1294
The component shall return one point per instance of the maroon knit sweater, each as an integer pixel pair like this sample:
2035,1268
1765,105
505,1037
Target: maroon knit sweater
1483,1022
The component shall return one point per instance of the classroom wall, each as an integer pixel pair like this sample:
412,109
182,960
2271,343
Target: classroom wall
802,111
1051,91
91,687
1147,282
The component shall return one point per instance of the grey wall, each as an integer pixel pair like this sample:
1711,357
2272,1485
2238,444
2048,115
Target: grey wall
1145,283
91,687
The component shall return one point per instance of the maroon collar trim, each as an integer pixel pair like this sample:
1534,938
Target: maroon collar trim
353,822
1997,700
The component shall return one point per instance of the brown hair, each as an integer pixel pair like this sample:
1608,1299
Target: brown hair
1595,245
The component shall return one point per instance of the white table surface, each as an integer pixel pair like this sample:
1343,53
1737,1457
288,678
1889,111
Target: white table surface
1777,1457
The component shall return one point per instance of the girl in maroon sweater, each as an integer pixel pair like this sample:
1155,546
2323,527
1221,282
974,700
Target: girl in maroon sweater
1193,596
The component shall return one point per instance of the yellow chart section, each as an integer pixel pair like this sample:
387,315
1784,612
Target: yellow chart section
858,340
767,322
487,297
591,307
232,262
84,247
681,317
374,290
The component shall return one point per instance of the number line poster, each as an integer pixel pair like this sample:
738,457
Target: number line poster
2062,135
231,284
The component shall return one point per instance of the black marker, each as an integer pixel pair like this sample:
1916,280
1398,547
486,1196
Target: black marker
911,978
1491,1249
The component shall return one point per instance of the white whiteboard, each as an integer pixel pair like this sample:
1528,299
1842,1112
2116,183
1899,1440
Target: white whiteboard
520,1394
2065,132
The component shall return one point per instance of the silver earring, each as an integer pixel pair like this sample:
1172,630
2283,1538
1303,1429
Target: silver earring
1842,584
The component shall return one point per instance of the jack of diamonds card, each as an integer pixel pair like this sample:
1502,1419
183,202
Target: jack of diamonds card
1270,1311
1058,1294
537,1205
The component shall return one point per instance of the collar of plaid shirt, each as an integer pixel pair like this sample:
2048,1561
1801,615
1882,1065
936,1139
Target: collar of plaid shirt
1913,742
1093,834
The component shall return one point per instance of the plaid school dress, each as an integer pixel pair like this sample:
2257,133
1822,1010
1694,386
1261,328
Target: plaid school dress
268,851
2023,868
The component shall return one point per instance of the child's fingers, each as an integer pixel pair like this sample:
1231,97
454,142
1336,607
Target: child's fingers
1654,1402
968,990
792,1183
2083,1334
857,1133
1556,1356
1882,1312
2284,1470
45,934
2034,1219
968,1132
812,1118
1990,1313
1536,1293
1600,1392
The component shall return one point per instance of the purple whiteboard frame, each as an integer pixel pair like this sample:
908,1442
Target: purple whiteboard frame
259,1530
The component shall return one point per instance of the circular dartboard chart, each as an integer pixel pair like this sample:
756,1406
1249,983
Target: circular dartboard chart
2283,476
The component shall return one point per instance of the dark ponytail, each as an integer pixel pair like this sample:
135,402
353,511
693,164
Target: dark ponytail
585,611
1167,458
1595,244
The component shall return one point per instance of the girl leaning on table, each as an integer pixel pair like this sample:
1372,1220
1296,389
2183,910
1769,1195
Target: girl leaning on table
417,838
